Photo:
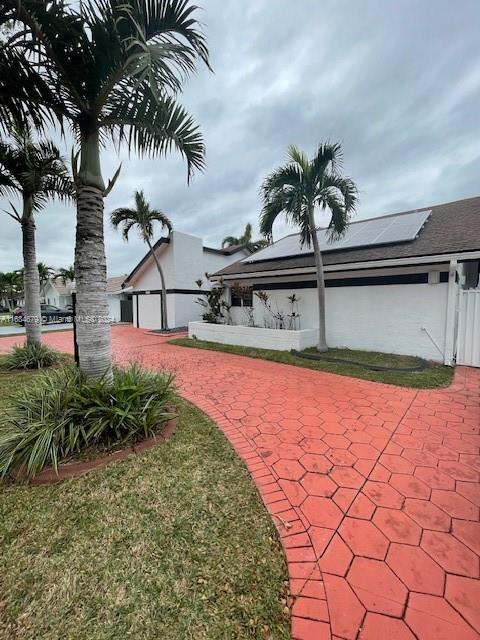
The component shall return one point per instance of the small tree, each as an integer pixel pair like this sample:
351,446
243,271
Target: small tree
296,189
245,240
143,218
66,274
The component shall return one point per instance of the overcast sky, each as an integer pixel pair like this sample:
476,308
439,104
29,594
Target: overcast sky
397,82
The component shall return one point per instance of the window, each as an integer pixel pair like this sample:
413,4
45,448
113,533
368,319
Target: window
241,296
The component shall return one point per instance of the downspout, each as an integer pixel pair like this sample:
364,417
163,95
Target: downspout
450,321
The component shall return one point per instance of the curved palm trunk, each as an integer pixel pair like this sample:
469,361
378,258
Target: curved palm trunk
31,278
322,340
93,325
164,288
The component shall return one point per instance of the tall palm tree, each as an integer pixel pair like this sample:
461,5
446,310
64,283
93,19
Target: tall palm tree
113,70
143,218
66,274
245,240
35,172
299,187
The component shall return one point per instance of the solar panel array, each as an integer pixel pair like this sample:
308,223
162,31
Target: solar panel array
366,233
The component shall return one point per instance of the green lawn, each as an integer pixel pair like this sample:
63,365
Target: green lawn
174,544
435,375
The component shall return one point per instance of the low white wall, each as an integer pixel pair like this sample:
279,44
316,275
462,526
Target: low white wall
114,308
277,339
386,318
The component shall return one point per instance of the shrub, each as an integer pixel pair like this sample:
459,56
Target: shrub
62,413
31,356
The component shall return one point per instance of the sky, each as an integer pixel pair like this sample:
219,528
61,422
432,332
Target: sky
397,82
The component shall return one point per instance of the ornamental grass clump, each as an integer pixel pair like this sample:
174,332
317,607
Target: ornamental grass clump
63,413
31,356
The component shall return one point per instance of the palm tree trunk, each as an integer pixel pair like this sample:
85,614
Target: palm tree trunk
322,340
31,279
164,288
92,314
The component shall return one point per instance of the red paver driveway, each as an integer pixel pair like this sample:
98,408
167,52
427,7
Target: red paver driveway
374,489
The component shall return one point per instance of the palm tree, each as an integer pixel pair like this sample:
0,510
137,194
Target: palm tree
44,273
113,70
245,240
35,172
296,189
66,274
143,218
10,284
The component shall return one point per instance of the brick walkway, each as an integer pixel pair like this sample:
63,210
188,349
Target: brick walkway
374,489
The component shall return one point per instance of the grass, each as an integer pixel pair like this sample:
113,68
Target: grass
174,544
434,376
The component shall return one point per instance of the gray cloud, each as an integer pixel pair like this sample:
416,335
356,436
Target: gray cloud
397,83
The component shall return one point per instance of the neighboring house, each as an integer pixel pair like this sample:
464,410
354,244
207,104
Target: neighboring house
405,283
57,293
184,260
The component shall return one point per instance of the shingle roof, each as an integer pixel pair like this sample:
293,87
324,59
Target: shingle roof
453,227
114,284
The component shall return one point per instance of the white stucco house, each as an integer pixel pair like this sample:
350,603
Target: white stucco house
406,283
184,260
58,293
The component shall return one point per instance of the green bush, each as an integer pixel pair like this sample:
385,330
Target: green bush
62,414
31,356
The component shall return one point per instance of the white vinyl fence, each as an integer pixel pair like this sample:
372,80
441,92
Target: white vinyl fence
468,341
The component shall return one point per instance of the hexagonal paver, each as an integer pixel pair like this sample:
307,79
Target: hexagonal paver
341,457
396,464
416,569
432,618
313,445
379,627
468,533
409,486
346,612
434,478
427,515
322,512
347,477
365,451
318,484
464,595
455,505
363,538
294,491
292,437
383,495
397,526
315,462
450,553
337,557
377,587
362,507
289,469
459,471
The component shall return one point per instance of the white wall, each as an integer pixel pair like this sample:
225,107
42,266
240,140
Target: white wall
183,261
387,318
114,307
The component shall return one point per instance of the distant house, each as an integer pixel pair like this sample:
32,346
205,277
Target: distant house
59,294
184,260
405,283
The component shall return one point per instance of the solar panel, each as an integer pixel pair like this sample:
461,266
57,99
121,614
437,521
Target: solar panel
365,233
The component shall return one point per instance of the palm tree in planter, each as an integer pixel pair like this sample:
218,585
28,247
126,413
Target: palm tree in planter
36,173
299,187
113,70
143,218
245,240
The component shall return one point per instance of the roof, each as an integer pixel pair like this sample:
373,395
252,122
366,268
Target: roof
114,284
453,227
228,251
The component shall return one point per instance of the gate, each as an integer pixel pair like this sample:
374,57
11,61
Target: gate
126,310
468,340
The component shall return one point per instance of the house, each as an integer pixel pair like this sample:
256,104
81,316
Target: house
184,260
59,294
403,283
